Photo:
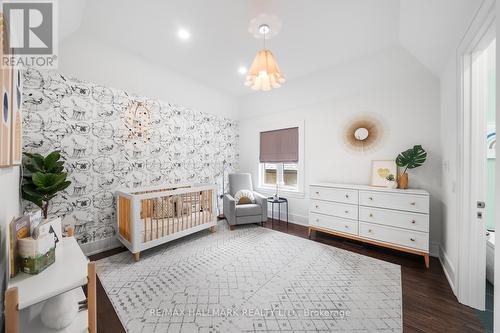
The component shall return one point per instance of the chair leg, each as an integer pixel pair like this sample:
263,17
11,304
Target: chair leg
231,227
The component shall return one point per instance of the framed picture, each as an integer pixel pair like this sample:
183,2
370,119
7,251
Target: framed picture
5,121
491,140
380,170
16,120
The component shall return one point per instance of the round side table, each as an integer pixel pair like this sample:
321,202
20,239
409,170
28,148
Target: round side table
279,201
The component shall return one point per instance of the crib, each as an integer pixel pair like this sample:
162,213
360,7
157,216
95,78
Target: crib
150,217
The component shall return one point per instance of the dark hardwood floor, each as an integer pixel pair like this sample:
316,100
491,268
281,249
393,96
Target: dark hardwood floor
429,304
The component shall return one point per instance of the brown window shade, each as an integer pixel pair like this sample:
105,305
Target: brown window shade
279,146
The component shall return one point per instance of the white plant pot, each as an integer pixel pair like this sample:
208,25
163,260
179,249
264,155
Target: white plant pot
59,311
391,184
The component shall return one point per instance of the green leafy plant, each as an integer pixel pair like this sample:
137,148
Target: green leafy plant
390,177
44,178
411,158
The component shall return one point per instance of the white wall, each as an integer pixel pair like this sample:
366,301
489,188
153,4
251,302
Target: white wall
392,84
449,132
87,59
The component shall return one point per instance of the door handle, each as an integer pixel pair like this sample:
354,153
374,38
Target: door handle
481,204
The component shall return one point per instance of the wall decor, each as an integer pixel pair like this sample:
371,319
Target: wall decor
491,140
363,133
16,126
6,115
380,170
85,121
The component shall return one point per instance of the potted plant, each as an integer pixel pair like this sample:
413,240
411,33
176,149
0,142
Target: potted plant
44,178
410,159
391,182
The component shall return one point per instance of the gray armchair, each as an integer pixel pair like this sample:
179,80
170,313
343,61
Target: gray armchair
243,214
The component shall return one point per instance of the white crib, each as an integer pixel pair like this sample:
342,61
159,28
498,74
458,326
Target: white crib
150,217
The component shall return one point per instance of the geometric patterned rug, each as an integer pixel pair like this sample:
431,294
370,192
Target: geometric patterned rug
252,279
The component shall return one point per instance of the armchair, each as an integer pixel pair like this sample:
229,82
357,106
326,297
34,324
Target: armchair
243,214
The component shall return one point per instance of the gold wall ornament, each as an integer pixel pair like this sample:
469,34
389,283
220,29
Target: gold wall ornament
138,121
363,133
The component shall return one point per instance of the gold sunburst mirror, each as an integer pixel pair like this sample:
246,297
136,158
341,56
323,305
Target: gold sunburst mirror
363,133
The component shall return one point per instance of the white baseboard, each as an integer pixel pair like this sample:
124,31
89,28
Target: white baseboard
100,246
449,270
293,218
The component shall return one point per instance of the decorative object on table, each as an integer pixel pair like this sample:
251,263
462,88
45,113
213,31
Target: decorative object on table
410,159
5,117
59,312
277,193
44,178
380,170
391,181
244,197
52,227
491,140
19,228
363,133
16,127
279,201
36,254
138,121
35,220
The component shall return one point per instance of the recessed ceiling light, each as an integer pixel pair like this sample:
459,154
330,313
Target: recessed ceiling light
183,34
242,70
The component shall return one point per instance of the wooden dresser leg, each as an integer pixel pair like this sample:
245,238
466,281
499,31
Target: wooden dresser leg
309,233
11,310
213,229
91,297
137,256
426,258
231,227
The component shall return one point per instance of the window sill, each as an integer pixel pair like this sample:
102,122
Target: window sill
269,191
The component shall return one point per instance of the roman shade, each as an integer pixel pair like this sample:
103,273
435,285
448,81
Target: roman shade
279,146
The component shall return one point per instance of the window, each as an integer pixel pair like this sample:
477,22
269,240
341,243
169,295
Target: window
286,174
279,159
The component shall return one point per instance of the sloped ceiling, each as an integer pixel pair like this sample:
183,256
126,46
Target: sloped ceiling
315,35
431,29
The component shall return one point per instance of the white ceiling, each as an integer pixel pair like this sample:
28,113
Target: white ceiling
315,34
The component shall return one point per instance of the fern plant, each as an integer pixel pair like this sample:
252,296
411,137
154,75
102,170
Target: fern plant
44,178
411,158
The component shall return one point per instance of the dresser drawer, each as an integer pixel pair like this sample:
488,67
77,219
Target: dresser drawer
335,209
407,238
399,201
395,218
333,223
334,194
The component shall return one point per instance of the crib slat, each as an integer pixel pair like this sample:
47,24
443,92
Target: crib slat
150,205
210,203
144,214
204,214
156,203
162,216
182,210
168,216
190,210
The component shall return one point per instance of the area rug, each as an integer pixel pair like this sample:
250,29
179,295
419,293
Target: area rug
252,279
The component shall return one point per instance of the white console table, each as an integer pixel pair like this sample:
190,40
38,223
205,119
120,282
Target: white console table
26,293
392,218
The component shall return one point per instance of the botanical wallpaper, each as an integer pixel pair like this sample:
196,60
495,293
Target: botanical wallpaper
85,121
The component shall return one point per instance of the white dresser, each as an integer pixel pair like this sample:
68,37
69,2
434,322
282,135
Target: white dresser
393,218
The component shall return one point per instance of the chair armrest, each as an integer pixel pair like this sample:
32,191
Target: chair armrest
262,201
229,207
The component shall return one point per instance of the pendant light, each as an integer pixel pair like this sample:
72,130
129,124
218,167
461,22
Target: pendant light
264,74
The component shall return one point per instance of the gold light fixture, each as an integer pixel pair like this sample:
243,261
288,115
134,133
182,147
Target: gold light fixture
264,74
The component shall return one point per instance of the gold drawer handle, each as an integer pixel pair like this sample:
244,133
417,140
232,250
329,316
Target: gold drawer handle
317,192
347,227
370,198
370,230
412,239
371,215
413,221
413,203
317,206
347,196
347,212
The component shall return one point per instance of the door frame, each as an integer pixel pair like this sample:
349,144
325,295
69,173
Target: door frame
472,238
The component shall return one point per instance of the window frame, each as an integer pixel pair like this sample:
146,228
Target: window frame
291,191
